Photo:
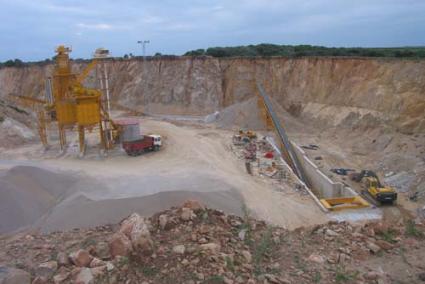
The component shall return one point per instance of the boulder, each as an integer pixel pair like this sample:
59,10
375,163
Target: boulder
47,269
242,234
247,255
316,258
384,245
373,247
187,214
372,275
163,220
128,224
9,275
109,266
97,262
211,247
40,280
85,276
62,259
98,271
380,228
141,237
179,249
120,245
421,276
331,233
102,250
60,277
81,258
193,205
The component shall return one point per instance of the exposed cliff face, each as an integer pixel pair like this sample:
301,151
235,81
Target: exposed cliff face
334,91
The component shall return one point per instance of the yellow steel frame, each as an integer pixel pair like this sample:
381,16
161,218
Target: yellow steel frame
75,105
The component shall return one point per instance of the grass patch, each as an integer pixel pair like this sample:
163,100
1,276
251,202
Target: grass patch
246,214
261,250
124,260
229,264
299,263
389,236
342,276
412,230
317,277
215,279
149,271
246,225
88,242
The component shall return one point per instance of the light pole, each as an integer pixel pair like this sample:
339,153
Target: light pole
143,43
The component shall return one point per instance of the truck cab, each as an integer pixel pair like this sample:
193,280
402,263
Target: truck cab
157,142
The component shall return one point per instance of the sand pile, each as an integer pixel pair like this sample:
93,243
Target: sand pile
13,132
240,115
246,115
32,197
27,193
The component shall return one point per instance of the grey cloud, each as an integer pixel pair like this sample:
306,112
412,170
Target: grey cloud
31,29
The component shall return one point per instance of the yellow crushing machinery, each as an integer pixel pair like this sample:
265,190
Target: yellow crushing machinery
73,106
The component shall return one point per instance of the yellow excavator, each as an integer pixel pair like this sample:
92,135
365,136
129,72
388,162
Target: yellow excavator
248,133
378,191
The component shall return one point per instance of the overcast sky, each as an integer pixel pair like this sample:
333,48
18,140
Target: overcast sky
31,29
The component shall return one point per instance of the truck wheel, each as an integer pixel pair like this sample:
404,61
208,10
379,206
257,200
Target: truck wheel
156,148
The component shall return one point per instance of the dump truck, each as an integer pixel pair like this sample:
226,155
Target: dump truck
144,144
378,191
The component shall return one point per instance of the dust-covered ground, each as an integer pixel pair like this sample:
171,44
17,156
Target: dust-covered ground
45,194
195,162
349,138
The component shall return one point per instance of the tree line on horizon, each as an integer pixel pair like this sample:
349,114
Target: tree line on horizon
267,50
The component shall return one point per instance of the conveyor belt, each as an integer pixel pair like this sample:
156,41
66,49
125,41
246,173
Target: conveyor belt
293,160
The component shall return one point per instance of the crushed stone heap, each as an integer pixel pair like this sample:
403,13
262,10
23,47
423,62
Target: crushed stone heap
194,244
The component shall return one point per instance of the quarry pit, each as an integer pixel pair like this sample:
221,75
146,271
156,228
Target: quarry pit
361,113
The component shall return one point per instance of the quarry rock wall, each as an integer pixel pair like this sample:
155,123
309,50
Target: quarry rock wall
353,92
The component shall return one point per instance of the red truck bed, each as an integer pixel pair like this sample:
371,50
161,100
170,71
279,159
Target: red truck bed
137,147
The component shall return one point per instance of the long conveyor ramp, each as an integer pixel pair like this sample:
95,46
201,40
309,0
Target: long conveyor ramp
289,154
290,157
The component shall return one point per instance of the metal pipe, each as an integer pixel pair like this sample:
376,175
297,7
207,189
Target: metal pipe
108,101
